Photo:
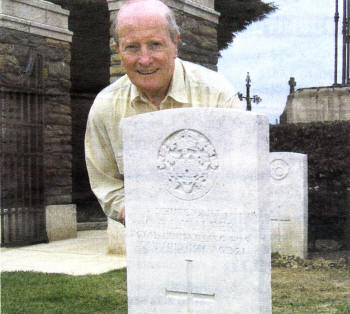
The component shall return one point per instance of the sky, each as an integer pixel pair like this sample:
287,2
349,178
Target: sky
297,40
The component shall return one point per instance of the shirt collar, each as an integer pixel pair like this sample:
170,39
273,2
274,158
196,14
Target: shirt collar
177,89
134,92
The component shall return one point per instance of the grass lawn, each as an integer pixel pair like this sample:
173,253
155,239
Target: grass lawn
310,291
294,291
36,293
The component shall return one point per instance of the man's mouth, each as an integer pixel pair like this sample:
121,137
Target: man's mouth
147,72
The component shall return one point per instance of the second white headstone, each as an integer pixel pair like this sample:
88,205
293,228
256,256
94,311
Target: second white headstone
289,203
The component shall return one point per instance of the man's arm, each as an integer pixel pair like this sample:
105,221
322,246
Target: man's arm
121,216
105,180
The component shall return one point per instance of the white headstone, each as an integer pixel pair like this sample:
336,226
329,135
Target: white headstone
197,230
289,211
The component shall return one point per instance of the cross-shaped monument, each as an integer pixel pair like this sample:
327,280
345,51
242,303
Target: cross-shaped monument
256,99
292,83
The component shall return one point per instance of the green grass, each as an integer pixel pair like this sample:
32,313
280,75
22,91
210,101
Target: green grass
293,291
310,291
35,293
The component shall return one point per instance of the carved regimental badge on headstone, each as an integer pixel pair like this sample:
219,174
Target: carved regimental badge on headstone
279,169
188,162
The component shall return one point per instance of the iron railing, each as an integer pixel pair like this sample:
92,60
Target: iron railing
22,158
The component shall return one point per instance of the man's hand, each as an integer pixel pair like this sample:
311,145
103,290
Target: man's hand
121,216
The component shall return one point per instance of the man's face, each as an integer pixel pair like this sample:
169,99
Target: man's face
147,52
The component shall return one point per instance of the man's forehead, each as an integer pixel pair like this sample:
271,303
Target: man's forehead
143,21
146,7
133,20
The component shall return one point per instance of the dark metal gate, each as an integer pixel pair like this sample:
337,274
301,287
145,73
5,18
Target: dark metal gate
22,159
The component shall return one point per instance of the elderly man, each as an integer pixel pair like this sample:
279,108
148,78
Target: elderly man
146,38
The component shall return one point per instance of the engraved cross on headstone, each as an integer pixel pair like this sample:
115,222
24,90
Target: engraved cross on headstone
279,229
189,293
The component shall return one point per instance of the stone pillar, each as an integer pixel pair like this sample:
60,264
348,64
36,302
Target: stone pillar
197,20
40,27
61,222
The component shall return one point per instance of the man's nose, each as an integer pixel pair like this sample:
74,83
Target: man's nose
145,56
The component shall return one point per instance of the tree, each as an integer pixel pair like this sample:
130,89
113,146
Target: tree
236,15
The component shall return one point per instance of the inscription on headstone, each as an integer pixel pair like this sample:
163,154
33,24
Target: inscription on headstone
197,235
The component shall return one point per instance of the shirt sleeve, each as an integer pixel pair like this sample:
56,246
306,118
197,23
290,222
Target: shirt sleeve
105,179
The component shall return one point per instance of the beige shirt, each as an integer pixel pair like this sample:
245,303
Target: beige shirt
192,86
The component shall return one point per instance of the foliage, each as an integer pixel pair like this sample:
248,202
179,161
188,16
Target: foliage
293,291
291,261
236,15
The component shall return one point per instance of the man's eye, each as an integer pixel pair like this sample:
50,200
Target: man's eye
156,45
132,48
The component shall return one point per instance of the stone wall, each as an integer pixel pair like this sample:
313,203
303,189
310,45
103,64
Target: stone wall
35,40
317,104
89,22
14,54
198,40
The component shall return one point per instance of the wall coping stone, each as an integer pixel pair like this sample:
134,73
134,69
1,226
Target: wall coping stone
198,8
37,17
317,104
345,89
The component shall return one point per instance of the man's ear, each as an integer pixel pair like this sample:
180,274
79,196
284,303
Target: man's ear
177,39
176,42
